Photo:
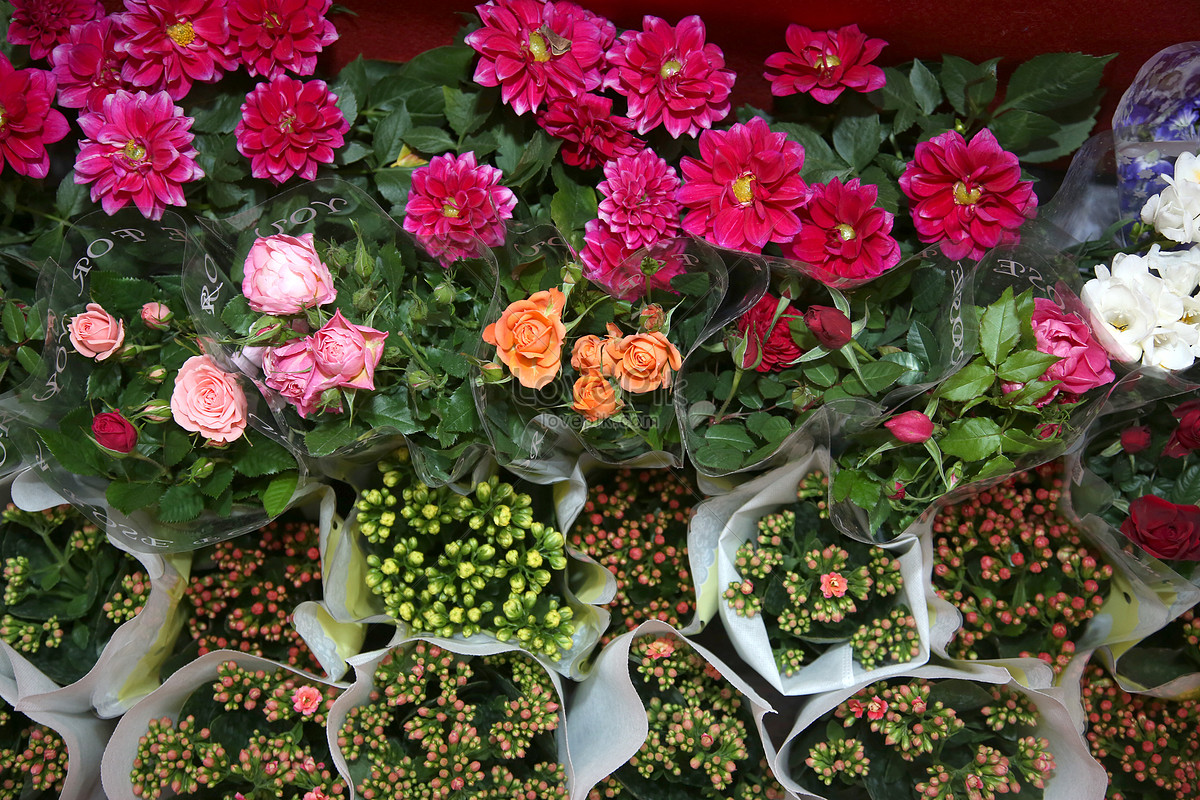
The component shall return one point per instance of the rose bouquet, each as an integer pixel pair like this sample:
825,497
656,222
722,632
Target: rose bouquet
424,721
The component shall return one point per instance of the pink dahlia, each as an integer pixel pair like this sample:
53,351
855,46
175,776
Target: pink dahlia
609,263
843,235
86,66
590,132
639,199
745,189
271,36
824,63
455,205
168,44
27,121
43,24
970,197
137,148
289,127
670,76
534,51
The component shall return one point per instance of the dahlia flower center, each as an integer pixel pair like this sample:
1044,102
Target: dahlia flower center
286,123
450,210
537,47
271,21
966,197
845,232
743,190
181,33
670,69
3,117
134,151
828,61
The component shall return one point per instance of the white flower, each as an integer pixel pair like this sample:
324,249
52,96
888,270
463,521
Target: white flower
1134,272
1180,269
1175,212
1187,169
1125,315
1170,347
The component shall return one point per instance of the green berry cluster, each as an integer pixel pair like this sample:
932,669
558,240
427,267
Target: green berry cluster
446,563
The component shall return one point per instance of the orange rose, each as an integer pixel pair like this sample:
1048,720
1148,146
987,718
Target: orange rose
588,355
645,362
595,397
529,336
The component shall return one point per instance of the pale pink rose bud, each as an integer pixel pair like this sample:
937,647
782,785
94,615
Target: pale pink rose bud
155,411
155,374
284,275
911,427
208,401
95,333
156,316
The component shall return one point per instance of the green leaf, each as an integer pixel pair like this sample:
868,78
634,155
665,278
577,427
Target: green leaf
857,487
389,135
458,411
823,374
120,296
921,343
969,87
971,439
388,411
70,198
29,359
925,87
176,446
572,207
222,116
180,504
1050,81
969,382
1015,441
279,492
265,457
329,436
13,320
820,162
218,482
1185,489
1069,137
729,435
718,458
879,375
129,497
427,139
466,111
74,452
857,139
1017,128
997,465
439,66
768,427
691,283
897,95
537,155
394,184
999,329
1024,366
238,315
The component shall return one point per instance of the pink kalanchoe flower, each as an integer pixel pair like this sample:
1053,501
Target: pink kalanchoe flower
844,236
43,24
670,76
607,262
271,36
87,66
824,63
169,44
745,189
639,199
306,700
590,132
970,196
455,205
139,149
27,121
290,127
533,51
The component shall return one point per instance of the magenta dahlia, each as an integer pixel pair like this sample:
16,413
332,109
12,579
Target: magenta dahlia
534,51
824,63
271,36
843,235
970,197
591,134
137,148
169,44
639,199
670,76
607,262
86,65
289,128
455,205
28,122
43,24
745,189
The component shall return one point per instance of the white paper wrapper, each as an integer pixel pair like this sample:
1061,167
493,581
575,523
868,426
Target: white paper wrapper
359,694
166,701
607,713
1077,775
732,519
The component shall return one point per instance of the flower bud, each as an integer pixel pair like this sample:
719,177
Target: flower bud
653,318
1135,439
155,374
419,380
156,316
493,373
365,299
202,469
831,327
911,427
155,411
113,432
444,293
265,329
898,491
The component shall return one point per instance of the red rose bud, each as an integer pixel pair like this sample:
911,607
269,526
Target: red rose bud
829,325
1135,439
114,432
911,427
1047,430
1164,529
1186,437
898,494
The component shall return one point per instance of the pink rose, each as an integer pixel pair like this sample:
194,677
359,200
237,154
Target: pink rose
156,316
95,333
208,401
346,354
284,275
1084,363
911,427
290,369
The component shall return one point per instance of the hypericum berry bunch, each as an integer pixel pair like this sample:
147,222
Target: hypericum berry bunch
440,726
1148,745
446,563
1024,578
251,733
33,758
927,740
58,606
702,741
635,522
242,593
815,586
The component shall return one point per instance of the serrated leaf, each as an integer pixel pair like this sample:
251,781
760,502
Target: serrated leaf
1025,365
264,458
328,437
814,145
394,184
969,382
1185,489
278,493
238,315
103,382
571,208
222,116
969,87
1052,80
999,329
971,439
920,343
219,481
387,411
390,135
1016,128
176,446
180,504
457,412
856,140
926,90
427,139
128,497
879,375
